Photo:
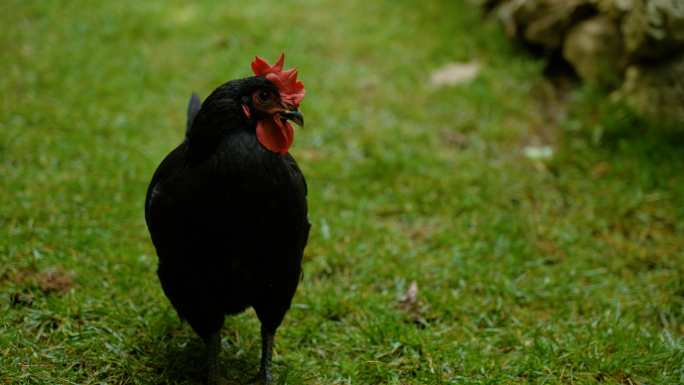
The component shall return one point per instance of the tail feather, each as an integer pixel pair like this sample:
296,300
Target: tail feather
193,107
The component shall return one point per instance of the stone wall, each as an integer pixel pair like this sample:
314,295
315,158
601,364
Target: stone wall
635,47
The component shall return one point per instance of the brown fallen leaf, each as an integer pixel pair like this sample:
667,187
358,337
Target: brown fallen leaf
455,139
601,169
409,302
455,73
24,299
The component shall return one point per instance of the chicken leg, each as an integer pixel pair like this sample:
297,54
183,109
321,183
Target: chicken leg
214,372
264,376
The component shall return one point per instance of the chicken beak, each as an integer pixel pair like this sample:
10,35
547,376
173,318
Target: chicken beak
294,115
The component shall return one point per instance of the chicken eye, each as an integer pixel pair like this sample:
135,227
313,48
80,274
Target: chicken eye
264,97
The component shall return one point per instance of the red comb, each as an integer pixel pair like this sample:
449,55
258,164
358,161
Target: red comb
291,89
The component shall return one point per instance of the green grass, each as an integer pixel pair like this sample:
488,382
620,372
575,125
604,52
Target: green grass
567,270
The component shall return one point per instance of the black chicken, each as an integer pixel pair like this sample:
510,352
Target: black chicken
227,209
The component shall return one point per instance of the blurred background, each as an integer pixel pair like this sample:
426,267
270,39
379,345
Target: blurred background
495,187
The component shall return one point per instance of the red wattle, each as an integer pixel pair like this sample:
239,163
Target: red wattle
274,134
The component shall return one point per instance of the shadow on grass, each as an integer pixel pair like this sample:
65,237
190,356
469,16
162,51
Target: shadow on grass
186,363
630,141
173,354
657,138
183,363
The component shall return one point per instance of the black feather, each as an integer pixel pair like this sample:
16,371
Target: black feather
193,106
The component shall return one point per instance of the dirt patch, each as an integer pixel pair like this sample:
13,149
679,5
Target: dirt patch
53,280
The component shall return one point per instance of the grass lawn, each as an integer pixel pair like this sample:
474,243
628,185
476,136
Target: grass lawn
563,269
